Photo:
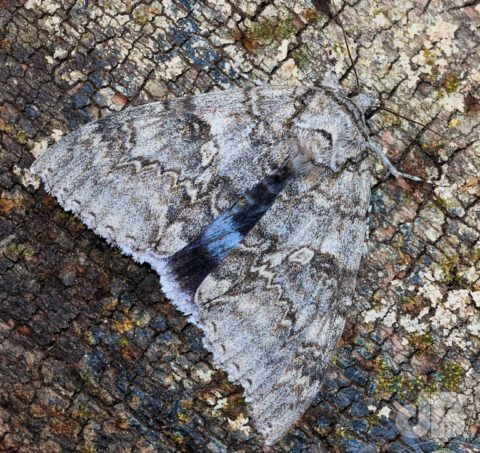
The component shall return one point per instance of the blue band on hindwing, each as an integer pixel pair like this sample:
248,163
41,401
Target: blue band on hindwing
194,262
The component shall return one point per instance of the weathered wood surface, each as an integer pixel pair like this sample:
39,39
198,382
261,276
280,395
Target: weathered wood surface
92,358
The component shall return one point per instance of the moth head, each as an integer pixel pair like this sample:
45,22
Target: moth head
363,102
329,131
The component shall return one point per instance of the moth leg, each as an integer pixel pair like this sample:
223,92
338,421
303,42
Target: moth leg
241,74
389,166
257,83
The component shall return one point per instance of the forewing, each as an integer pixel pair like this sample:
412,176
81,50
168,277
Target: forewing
274,310
152,177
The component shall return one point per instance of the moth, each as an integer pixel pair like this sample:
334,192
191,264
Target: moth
251,205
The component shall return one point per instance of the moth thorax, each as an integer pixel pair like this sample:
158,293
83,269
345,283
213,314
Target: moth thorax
313,149
300,165
327,139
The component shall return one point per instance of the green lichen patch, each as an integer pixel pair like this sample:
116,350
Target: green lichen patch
441,202
87,378
312,15
405,385
430,60
14,251
123,342
81,411
389,382
451,375
140,16
267,31
423,343
301,58
413,306
344,432
235,406
451,275
452,83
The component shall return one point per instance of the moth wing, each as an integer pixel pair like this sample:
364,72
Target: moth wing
274,310
150,178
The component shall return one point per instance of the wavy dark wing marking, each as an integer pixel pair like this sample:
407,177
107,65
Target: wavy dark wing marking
274,309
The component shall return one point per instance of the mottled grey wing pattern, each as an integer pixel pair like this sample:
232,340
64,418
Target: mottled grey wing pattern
152,177
275,308
262,192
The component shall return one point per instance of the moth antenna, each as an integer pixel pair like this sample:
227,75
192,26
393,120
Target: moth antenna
336,18
406,118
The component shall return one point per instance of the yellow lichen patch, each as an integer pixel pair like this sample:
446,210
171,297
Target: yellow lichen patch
6,205
177,438
402,258
452,83
88,448
14,132
124,326
6,44
183,417
109,303
472,182
187,404
9,204
89,338
343,432
123,342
